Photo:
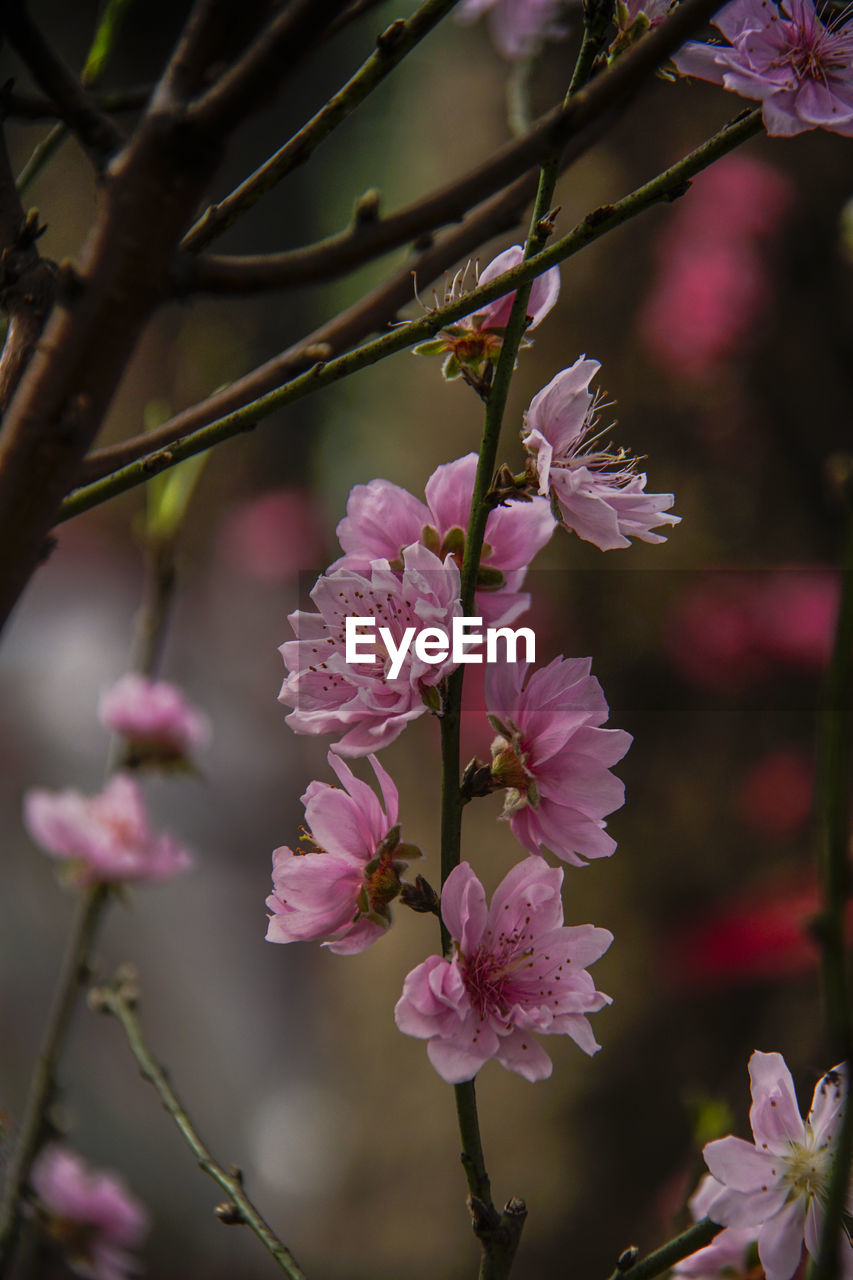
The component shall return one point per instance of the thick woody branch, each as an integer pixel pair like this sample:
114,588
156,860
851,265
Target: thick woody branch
256,75
400,38
97,132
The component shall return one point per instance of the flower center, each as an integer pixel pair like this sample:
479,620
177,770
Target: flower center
807,1168
487,973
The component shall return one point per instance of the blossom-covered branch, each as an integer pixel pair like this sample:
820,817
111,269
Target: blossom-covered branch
167,445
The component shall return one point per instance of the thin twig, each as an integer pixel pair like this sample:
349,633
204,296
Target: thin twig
19,105
389,54
833,791
72,975
98,133
113,1000
655,1264
262,67
169,444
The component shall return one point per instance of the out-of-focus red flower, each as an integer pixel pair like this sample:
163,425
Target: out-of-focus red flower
775,796
761,934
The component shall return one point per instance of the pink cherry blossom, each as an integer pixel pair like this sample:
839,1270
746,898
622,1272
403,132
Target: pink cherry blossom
726,1257
515,970
472,345
382,518
798,68
106,837
553,757
364,702
90,1212
338,890
778,1185
518,27
155,716
600,495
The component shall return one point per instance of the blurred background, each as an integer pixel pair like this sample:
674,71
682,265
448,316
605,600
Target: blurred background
723,324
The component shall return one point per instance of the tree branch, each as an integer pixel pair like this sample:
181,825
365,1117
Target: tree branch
116,469
388,54
239,1209
27,282
19,105
97,132
73,974
654,1264
280,47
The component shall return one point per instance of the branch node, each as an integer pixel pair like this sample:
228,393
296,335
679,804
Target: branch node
70,285
389,39
229,1214
627,1258
367,208
157,462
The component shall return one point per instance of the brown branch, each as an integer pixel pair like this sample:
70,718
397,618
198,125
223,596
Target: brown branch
400,38
370,314
97,132
269,58
27,282
19,105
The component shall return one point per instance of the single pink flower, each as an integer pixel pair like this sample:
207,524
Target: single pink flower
382,518
106,837
368,705
338,891
518,27
158,721
727,1256
779,1184
515,970
90,1212
599,493
553,757
472,345
798,68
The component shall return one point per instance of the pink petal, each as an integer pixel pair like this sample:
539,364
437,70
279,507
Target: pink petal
780,1242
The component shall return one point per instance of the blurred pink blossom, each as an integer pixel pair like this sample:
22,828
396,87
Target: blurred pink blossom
90,1212
155,716
778,1186
800,69
363,702
515,970
275,536
106,838
553,757
339,889
518,27
713,284
600,495
734,628
382,518
726,1257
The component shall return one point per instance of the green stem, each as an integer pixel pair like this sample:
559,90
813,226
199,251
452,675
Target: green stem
664,186
654,1264
39,157
72,976
113,1000
218,217
834,838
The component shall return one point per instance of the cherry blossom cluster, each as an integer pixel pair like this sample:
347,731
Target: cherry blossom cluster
513,968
